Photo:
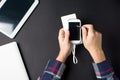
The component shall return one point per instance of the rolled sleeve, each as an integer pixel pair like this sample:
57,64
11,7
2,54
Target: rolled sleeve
53,70
103,70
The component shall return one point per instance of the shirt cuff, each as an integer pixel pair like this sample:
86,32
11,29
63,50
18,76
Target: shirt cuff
55,68
103,69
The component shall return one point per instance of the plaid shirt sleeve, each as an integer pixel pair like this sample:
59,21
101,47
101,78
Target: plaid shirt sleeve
53,71
104,71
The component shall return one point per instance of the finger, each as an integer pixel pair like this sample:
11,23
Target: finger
61,34
84,33
89,27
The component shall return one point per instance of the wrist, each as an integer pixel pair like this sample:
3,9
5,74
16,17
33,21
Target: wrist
98,56
61,58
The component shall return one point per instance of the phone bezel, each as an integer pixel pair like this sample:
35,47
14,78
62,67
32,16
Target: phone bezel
75,20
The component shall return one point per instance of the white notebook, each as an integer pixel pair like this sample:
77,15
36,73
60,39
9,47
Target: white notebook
11,63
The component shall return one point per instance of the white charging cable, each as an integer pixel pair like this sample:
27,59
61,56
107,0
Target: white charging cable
75,60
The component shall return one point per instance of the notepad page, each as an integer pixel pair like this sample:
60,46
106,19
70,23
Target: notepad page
11,63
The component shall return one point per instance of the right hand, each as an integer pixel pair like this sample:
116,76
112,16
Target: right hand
92,41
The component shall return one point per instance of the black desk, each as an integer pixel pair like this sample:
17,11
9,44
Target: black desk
38,37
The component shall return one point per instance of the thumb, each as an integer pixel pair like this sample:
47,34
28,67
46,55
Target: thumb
67,34
61,34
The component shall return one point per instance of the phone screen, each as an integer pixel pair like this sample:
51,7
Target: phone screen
74,28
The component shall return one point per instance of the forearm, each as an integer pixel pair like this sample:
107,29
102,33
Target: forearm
104,71
98,56
53,71
62,57
55,67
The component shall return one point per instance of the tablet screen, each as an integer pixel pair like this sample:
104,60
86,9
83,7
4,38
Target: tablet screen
11,13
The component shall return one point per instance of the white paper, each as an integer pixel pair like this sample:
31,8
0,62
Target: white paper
65,20
11,63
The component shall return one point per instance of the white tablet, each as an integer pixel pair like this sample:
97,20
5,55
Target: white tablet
13,14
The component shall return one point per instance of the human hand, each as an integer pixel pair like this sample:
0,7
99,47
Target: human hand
65,45
92,41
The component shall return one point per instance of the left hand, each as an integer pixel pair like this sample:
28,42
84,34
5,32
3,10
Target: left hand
65,45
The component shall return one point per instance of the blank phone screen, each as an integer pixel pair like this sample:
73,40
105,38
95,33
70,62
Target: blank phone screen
74,28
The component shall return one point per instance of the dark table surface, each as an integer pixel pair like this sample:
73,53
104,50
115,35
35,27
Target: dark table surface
38,38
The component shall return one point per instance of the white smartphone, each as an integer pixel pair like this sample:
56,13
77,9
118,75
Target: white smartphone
75,31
